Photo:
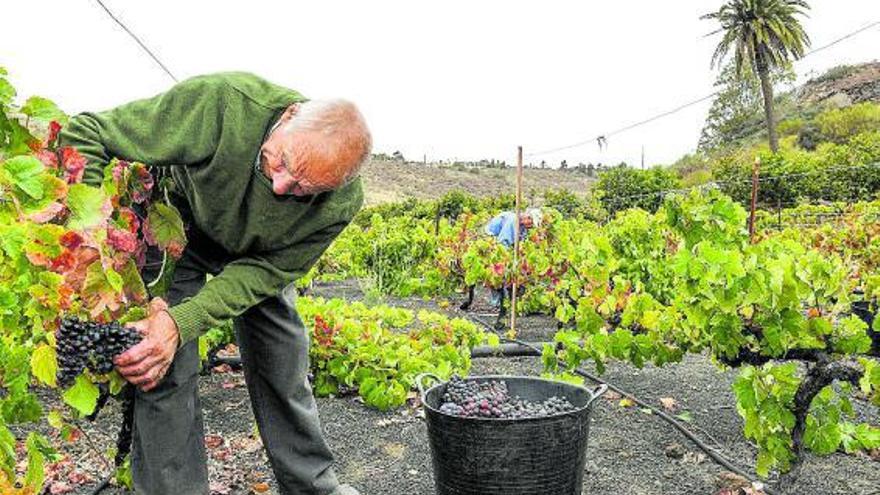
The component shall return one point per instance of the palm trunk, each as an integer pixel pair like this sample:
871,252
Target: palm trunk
767,90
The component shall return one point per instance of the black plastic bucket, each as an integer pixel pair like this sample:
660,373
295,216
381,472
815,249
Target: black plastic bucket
491,456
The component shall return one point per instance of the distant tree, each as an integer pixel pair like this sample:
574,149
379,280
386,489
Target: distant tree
764,35
736,112
591,170
543,164
381,156
563,165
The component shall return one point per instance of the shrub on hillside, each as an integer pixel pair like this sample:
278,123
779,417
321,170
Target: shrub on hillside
839,125
834,172
790,127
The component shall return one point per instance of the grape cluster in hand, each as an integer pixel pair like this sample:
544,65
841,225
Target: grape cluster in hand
85,344
491,399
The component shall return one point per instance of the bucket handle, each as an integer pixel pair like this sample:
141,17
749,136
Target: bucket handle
421,386
596,393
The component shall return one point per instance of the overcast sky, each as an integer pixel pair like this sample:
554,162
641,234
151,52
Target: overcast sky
454,79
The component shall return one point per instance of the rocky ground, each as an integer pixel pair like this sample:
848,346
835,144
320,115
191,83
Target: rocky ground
631,451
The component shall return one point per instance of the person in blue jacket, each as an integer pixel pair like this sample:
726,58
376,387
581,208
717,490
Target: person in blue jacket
502,227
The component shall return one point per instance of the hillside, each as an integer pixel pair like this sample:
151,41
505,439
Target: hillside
849,83
736,119
394,180
387,180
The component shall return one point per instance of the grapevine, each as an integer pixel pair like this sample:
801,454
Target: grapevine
70,255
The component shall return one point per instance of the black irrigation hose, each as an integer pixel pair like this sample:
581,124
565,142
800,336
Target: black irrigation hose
715,455
513,349
102,485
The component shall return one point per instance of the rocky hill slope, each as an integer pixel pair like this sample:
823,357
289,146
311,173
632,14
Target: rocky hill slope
388,180
848,84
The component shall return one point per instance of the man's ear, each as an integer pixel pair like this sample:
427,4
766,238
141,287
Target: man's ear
290,112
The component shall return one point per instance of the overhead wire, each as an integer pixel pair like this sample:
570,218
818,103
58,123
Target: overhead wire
601,139
761,179
138,40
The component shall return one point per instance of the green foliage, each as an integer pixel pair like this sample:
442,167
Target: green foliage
37,450
572,206
764,36
449,206
834,172
622,188
736,116
696,178
790,127
764,398
214,338
44,110
452,204
66,249
650,287
380,350
839,125
391,252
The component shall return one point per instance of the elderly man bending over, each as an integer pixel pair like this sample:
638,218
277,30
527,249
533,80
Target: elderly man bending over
265,180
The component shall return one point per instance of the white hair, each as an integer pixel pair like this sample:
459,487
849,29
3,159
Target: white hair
535,214
348,141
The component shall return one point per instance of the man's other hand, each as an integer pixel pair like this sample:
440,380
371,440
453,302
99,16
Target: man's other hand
145,364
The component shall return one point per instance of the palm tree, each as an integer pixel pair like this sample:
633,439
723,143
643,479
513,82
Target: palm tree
764,35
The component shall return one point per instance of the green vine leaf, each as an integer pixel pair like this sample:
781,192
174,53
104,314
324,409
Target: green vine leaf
25,173
43,109
82,395
44,365
88,206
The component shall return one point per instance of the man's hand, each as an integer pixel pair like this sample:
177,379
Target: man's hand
145,364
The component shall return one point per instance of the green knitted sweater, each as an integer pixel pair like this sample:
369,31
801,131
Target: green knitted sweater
208,131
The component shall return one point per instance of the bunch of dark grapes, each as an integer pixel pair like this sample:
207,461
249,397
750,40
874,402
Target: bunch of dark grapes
491,399
89,345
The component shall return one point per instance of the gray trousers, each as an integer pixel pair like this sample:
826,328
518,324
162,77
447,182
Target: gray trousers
168,451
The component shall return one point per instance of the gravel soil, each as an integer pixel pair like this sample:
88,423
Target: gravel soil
631,451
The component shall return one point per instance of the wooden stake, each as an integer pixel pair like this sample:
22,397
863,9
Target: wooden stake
755,168
519,171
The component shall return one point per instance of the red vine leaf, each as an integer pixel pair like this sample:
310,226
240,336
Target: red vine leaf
73,163
54,129
122,240
98,293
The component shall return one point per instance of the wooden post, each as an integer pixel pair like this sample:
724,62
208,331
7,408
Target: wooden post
755,168
778,213
519,170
